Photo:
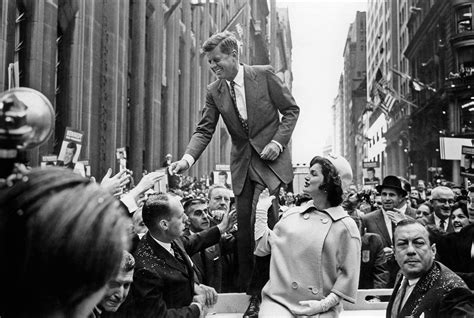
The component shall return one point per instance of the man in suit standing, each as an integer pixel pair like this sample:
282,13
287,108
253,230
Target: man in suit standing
442,199
384,220
250,100
425,287
163,282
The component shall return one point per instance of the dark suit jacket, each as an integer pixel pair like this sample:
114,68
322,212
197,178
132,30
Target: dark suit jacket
429,293
430,220
373,267
266,96
374,222
162,286
454,251
208,263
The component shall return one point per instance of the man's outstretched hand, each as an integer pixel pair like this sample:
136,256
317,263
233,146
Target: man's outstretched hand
178,167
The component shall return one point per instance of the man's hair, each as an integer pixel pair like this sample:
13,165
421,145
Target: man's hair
214,187
225,40
155,209
371,169
332,181
188,204
57,223
128,262
410,221
72,145
435,193
223,173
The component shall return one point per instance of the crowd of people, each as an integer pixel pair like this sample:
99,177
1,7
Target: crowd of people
75,247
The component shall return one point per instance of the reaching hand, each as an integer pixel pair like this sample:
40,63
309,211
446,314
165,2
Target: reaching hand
270,152
178,166
229,219
265,201
115,184
149,180
209,294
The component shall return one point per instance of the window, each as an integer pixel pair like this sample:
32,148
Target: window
464,19
465,58
467,115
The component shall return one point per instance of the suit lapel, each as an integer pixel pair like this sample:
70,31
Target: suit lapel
422,287
251,93
163,254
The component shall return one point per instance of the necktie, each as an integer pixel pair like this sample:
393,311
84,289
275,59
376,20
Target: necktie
441,224
177,254
179,257
396,307
243,122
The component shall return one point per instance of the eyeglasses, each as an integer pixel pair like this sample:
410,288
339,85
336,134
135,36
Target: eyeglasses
443,201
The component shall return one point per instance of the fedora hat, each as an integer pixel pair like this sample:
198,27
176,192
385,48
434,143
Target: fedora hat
391,182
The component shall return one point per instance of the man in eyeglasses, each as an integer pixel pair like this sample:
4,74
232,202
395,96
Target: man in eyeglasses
442,200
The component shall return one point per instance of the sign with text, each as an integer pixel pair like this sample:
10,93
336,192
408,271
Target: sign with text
371,172
70,148
467,161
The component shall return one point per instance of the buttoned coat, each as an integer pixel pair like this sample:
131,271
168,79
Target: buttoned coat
428,294
313,253
266,97
162,285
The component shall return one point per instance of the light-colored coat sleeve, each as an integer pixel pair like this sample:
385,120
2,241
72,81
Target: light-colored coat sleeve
348,255
263,245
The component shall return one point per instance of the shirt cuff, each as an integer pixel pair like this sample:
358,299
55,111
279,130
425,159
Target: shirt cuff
199,306
278,144
129,202
189,159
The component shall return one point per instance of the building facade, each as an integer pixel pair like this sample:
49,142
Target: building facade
130,73
441,55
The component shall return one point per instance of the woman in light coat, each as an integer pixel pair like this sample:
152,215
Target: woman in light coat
315,248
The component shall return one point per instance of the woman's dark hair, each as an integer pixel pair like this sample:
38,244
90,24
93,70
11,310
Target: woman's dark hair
61,240
462,206
332,182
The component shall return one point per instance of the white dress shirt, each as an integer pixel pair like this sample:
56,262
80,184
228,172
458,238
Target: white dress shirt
239,89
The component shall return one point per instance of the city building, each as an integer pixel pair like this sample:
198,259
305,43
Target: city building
441,57
131,73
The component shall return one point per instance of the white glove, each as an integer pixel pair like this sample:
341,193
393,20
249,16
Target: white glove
317,306
263,204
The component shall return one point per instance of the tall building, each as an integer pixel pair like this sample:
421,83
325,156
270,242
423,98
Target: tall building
382,56
130,73
441,57
353,102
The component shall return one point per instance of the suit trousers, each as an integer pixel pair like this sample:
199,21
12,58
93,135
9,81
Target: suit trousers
253,270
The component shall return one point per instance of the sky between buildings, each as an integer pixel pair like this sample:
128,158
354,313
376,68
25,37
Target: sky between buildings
319,29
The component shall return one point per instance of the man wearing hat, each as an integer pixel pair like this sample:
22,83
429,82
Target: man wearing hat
384,220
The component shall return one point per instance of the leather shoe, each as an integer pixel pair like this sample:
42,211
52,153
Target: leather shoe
253,308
